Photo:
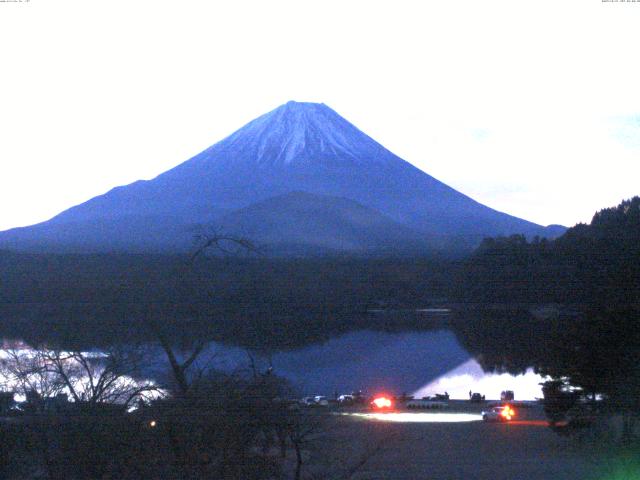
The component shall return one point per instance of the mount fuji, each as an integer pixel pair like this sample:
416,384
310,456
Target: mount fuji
298,180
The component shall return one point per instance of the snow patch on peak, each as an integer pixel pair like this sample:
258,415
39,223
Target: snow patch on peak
302,133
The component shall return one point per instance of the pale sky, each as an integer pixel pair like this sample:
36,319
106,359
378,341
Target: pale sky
532,108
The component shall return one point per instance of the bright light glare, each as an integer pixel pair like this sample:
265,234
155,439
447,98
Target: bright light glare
507,412
419,417
382,402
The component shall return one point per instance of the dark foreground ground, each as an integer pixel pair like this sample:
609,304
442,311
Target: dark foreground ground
336,443
524,449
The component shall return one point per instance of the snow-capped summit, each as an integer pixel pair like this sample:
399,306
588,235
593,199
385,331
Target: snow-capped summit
299,132
352,193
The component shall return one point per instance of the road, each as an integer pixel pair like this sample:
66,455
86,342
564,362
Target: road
523,449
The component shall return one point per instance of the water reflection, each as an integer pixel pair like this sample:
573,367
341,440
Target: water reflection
372,361
470,377
422,363
418,362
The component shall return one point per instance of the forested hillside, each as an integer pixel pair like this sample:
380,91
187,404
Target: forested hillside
589,340
595,264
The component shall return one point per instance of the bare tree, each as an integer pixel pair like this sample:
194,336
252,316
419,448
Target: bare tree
181,369
185,358
302,428
24,371
221,243
111,376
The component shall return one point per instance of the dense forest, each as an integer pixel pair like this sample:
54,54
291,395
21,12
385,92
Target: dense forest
595,264
568,307
255,302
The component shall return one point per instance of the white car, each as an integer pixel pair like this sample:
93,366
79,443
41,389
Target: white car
307,401
346,399
499,414
316,401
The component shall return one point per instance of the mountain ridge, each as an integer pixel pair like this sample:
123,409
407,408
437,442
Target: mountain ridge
304,147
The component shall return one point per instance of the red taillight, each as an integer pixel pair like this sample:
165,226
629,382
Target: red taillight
507,412
382,402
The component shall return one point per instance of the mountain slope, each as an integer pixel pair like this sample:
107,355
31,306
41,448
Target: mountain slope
300,222
298,147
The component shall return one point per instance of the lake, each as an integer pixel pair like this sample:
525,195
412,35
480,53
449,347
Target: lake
416,363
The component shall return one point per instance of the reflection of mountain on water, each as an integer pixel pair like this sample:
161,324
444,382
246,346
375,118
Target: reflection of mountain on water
471,377
424,362
425,351
367,360
372,361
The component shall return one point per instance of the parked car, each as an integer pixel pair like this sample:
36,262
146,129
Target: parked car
321,401
502,413
507,396
346,399
476,398
381,403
